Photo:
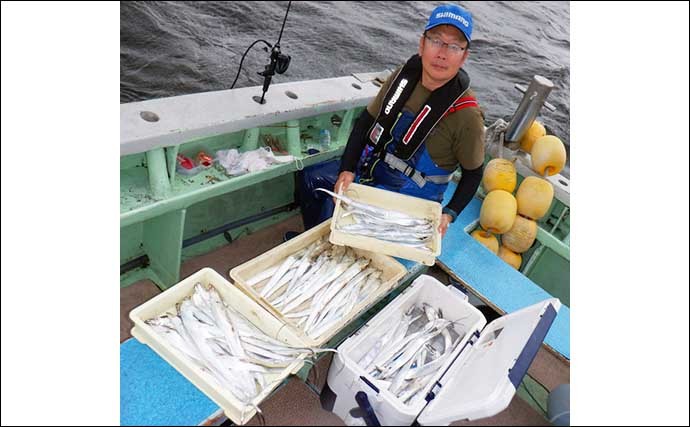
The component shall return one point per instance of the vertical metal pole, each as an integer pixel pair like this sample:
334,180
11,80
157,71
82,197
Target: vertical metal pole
528,109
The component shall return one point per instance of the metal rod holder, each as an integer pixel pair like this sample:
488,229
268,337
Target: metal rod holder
532,101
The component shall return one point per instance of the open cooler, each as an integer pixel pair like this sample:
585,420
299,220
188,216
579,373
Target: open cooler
414,206
392,272
233,297
478,380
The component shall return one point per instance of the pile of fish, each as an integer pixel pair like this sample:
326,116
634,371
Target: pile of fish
225,345
384,224
318,286
405,360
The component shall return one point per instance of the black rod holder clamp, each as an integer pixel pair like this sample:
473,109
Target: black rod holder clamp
279,63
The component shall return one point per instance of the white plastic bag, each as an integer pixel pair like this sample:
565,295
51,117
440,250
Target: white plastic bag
236,163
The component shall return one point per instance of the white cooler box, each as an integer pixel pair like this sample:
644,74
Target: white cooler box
478,380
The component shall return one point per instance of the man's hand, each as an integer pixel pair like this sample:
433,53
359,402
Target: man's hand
344,180
443,227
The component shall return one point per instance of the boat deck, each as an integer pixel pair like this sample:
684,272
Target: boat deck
297,402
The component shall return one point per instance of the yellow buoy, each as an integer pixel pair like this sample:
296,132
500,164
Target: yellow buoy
498,212
534,197
535,131
500,174
510,257
548,155
521,235
487,239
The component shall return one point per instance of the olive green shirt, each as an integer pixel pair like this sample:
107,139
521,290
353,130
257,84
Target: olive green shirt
457,139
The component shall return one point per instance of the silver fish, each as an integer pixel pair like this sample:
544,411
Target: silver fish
412,354
224,345
373,210
284,267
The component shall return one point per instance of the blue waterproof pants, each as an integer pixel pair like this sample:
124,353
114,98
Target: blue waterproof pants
317,206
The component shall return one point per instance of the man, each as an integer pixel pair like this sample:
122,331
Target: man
424,123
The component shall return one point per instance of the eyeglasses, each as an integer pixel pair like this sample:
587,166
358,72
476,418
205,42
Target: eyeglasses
453,48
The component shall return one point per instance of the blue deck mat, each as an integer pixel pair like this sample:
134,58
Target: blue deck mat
411,266
153,393
505,287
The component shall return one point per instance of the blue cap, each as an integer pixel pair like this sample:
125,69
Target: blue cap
451,14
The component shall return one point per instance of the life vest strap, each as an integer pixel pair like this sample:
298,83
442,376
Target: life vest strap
416,176
464,102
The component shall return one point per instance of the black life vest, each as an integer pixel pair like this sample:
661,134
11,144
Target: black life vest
440,102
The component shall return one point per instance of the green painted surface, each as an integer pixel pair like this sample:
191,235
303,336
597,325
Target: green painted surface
137,205
345,127
163,245
235,233
171,160
211,144
557,220
204,247
208,184
133,276
245,230
534,394
547,263
134,189
239,204
250,141
550,241
160,208
131,242
138,202
552,273
159,182
200,248
133,160
294,143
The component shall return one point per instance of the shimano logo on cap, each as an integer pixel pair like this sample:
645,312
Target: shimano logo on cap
451,15
396,95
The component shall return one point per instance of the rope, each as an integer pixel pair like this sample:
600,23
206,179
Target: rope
494,141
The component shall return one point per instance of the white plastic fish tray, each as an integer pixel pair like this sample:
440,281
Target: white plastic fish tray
413,206
479,379
392,270
166,301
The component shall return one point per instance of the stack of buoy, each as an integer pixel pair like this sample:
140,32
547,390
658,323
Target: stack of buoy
500,206
515,217
546,151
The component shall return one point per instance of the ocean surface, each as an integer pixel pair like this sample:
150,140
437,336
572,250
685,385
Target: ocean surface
177,48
